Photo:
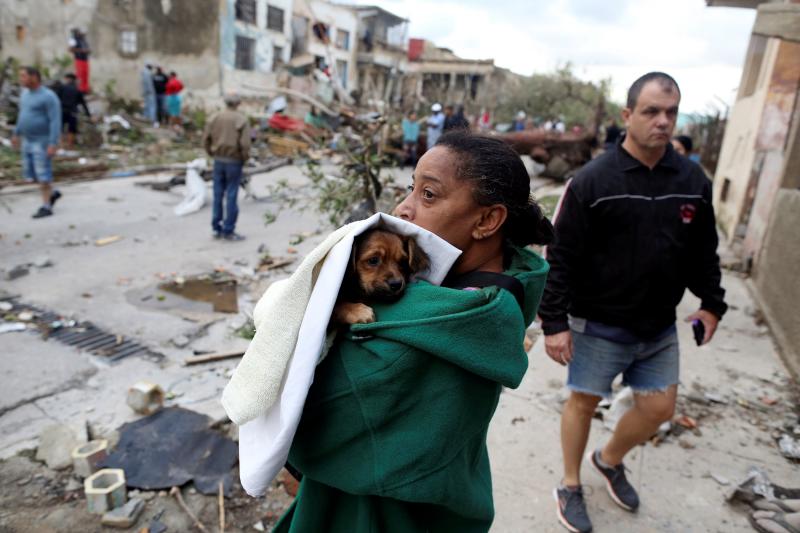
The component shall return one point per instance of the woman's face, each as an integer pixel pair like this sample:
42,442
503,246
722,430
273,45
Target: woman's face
440,202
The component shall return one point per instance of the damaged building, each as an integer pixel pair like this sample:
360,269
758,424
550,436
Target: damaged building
757,182
253,47
214,45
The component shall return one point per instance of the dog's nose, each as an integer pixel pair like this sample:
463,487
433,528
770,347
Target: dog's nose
396,285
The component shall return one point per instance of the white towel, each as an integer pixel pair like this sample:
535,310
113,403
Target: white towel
267,391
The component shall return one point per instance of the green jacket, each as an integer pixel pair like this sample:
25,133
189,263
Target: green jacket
393,434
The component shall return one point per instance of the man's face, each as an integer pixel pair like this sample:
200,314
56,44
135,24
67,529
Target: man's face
26,80
650,123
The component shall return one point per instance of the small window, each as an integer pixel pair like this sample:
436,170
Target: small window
341,67
343,39
274,18
128,42
245,53
726,187
20,33
277,57
246,11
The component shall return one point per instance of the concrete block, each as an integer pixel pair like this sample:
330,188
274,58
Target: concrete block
145,397
105,490
56,443
124,516
86,457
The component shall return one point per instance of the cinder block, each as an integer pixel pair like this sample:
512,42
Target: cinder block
145,397
86,457
105,490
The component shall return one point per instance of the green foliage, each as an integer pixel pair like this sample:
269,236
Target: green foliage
560,94
358,183
247,331
548,205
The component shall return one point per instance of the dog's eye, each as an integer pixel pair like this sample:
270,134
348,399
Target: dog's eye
373,261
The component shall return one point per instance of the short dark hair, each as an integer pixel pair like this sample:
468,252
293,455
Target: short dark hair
32,71
70,76
500,177
686,141
663,78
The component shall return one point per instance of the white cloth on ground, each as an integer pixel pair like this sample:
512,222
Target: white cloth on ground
267,391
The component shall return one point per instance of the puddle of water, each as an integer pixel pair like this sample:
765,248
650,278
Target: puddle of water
220,292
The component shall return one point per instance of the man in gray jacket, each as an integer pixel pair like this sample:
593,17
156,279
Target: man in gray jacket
227,139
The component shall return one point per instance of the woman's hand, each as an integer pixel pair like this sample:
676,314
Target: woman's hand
559,347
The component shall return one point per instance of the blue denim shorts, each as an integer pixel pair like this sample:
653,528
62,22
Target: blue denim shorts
645,366
35,163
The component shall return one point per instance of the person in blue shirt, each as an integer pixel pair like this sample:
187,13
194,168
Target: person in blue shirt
38,128
411,137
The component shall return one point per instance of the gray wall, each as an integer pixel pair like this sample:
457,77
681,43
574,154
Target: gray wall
777,275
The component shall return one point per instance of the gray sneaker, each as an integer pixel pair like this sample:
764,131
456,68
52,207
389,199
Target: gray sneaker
571,509
617,484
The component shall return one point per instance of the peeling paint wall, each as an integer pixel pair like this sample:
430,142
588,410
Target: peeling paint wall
738,153
776,121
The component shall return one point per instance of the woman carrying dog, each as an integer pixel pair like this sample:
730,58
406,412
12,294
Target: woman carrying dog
393,434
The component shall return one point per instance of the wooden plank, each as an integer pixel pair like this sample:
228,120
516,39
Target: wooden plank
208,358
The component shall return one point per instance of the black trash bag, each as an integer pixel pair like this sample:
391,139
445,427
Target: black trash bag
172,447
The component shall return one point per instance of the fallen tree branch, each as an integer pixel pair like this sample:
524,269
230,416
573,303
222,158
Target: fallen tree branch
175,491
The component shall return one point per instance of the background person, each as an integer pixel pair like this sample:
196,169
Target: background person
174,99
79,48
39,128
227,139
70,98
635,229
149,104
410,137
160,85
435,125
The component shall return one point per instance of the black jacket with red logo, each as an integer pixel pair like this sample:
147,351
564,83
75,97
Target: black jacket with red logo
629,241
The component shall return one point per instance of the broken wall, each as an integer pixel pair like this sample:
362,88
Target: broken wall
122,35
771,143
737,160
264,72
775,276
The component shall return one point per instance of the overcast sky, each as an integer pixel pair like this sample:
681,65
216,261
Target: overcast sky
702,47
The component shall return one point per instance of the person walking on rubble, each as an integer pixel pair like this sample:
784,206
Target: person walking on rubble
39,128
635,229
227,139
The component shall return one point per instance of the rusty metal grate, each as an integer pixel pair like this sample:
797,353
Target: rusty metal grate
83,335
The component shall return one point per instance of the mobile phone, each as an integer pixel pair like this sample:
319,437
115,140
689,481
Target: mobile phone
699,331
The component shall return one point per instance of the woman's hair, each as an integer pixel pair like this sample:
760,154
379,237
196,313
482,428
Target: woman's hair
500,177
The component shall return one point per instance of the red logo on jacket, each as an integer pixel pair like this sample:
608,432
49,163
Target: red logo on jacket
687,213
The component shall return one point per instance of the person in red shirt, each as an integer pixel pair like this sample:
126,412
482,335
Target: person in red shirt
173,92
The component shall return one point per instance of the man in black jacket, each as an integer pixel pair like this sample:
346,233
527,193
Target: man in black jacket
635,229
71,97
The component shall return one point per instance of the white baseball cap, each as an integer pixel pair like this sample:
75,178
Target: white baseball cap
436,107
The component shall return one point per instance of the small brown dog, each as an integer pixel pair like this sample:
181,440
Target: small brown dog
380,267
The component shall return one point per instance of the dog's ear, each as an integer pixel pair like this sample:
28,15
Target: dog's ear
417,259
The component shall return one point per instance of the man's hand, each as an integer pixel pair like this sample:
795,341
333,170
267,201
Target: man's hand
51,150
15,142
559,347
709,321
